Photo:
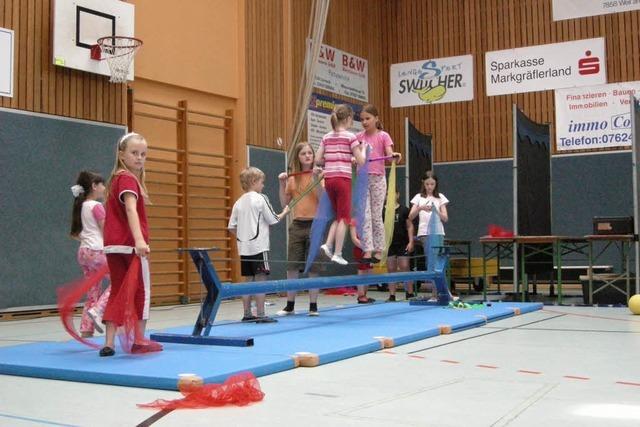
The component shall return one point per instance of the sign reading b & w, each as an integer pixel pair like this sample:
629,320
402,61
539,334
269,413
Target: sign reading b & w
544,67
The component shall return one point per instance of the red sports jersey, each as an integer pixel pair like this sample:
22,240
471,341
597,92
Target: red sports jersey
116,226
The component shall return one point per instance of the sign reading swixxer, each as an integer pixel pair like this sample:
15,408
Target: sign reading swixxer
432,81
544,67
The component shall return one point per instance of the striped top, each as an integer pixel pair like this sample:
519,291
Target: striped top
338,146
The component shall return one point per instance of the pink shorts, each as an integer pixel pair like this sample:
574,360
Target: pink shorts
339,192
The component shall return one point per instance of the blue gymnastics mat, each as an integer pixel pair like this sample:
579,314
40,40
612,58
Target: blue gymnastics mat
338,333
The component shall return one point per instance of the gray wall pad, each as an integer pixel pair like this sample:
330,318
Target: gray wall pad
40,157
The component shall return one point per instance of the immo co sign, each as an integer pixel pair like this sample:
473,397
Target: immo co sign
544,67
594,116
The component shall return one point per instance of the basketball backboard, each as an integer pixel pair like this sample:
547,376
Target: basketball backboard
78,24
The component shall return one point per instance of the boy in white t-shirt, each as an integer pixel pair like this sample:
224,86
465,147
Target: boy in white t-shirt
251,217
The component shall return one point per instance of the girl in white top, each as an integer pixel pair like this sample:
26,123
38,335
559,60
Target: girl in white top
87,224
422,205
424,202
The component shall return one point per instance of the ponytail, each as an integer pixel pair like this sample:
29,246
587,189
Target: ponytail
341,113
80,191
334,121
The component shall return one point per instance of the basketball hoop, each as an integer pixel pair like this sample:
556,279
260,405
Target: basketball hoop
118,51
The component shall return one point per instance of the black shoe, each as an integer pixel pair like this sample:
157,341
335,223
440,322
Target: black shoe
249,318
409,296
392,298
365,300
106,352
265,319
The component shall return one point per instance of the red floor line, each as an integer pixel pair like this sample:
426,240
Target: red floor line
573,377
389,352
523,371
628,383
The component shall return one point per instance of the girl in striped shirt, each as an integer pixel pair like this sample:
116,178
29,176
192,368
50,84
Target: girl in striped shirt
335,153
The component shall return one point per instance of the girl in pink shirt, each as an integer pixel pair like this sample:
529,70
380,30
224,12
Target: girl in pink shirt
381,146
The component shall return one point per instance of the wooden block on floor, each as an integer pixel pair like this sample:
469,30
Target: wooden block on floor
445,329
306,359
385,342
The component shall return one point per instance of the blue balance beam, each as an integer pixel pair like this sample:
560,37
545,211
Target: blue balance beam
217,291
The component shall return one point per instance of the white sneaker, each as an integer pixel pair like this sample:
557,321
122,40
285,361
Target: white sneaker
285,313
313,314
327,251
97,319
339,260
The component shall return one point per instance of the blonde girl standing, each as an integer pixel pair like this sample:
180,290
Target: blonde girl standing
126,236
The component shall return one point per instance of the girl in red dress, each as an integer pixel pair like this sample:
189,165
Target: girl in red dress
126,236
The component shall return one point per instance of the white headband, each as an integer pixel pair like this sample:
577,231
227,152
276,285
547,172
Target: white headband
126,136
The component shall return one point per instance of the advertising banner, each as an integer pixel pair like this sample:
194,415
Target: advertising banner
342,73
319,117
544,67
594,116
568,9
432,81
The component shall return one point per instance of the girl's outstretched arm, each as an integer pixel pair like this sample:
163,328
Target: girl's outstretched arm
318,174
360,153
388,152
130,201
284,197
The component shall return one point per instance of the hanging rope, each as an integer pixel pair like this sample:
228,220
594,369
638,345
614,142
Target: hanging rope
317,24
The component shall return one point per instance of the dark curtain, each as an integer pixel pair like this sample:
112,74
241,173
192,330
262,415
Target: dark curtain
418,158
418,162
534,187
